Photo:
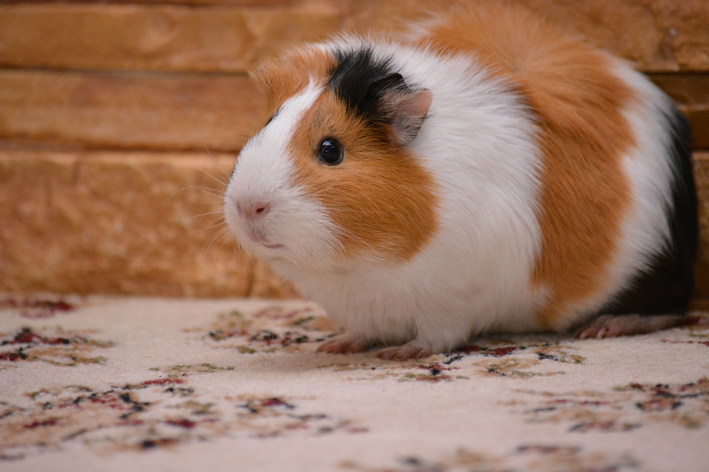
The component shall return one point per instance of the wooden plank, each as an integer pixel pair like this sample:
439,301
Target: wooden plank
243,3
691,93
157,37
120,223
701,175
93,110
658,35
188,112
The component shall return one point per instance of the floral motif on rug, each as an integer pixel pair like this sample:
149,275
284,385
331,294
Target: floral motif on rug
126,378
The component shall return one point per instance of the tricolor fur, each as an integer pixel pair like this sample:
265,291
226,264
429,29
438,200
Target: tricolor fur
496,176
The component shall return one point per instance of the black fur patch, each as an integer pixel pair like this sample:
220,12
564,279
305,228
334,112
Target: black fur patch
360,80
666,287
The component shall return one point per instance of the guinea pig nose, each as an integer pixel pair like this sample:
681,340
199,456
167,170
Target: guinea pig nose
260,209
253,210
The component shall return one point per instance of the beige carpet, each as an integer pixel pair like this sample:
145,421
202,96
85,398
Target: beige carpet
149,384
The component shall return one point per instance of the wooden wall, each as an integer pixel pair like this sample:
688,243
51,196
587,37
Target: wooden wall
120,120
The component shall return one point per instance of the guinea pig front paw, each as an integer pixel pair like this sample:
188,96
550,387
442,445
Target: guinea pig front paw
611,326
410,350
344,344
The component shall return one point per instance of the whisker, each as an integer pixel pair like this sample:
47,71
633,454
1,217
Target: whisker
216,223
208,190
340,229
211,225
212,192
214,239
218,212
228,176
236,246
225,239
340,210
224,184
185,187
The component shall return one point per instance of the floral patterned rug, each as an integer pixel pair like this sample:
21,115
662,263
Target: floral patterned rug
152,384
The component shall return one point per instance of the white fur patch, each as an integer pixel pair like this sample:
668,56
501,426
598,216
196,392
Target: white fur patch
264,173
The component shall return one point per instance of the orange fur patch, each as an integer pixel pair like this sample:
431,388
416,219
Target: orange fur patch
583,135
282,78
381,198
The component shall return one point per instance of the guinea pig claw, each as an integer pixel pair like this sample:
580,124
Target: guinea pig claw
405,352
595,329
611,326
344,344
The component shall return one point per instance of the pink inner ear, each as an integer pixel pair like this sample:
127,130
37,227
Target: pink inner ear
418,103
409,112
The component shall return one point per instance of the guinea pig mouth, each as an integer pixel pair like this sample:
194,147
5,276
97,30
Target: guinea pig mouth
259,238
272,246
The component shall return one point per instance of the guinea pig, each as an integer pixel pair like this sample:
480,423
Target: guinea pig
478,173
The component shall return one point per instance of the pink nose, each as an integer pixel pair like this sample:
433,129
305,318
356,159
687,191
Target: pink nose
253,210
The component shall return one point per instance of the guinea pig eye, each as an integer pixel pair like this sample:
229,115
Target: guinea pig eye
331,152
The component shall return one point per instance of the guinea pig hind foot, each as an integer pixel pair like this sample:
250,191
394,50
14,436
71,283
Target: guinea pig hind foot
610,326
344,344
410,350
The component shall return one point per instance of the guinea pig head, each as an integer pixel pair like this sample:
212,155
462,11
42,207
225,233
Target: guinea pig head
331,181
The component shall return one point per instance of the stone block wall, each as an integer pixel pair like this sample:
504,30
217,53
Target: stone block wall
120,121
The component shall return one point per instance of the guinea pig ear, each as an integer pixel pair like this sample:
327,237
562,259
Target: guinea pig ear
265,76
404,108
409,112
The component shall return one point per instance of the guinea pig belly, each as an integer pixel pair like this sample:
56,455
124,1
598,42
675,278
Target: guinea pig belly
438,299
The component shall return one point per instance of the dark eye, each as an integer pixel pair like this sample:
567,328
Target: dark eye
331,151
